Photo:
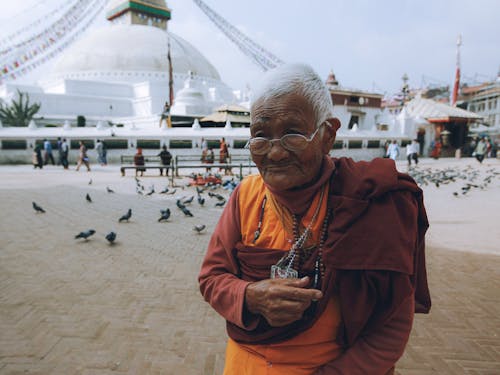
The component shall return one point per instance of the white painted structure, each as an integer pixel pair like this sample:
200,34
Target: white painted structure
121,71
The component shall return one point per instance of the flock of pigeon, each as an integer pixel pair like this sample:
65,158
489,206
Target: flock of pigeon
165,215
470,177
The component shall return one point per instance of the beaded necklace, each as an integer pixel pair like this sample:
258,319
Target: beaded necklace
290,264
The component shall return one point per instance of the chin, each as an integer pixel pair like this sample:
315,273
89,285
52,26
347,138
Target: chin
280,181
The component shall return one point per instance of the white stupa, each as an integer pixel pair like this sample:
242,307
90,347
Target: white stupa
121,72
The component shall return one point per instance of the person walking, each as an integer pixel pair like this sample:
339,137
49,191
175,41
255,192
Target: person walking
64,153
59,151
166,159
82,157
37,159
101,152
393,150
480,150
412,150
47,146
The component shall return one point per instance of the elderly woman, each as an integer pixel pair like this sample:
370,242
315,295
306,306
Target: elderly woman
317,264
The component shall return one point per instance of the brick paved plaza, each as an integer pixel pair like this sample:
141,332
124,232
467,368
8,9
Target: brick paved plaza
83,307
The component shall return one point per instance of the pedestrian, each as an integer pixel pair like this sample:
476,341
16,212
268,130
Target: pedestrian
393,150
101,152
166,159
224,156
64,153
59,151
436,149
37,157
488,147
139,162
480,150
317,263
412,150
47,146
82,157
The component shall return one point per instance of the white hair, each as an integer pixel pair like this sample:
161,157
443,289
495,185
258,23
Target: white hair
298,79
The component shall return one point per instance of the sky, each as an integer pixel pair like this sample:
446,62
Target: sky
368,44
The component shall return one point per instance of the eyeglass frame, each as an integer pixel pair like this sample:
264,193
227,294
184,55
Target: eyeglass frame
271,141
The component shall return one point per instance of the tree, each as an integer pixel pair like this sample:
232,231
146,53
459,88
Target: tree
19,112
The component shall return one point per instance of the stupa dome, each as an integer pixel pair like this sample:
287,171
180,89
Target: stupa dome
131,53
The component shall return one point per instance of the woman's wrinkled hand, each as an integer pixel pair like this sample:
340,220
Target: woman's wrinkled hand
280,301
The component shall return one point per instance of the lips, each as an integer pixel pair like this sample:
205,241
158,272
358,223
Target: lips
277,167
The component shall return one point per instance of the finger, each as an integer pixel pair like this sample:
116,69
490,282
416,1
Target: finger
287,292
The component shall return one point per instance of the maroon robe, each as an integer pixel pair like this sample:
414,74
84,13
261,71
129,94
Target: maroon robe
374,253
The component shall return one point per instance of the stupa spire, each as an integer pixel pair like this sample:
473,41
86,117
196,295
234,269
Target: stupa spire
139,12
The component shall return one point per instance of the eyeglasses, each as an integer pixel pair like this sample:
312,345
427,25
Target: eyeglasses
290,142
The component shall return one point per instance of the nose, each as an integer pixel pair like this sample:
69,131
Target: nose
277,151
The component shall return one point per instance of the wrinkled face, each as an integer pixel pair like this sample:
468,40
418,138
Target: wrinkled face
280,168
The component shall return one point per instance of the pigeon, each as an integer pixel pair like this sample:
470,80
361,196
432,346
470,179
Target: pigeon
109,190
126,217
172,192
85,235
111,237
38,208
221,203
151,190
215,195
455,194
164,191
179,204
90,182
87,197
201,201
186,212
199,228
189,200
165,214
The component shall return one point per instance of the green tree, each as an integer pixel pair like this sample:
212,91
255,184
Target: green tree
20,112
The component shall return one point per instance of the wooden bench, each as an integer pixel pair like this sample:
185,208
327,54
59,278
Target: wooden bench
150,162
194,162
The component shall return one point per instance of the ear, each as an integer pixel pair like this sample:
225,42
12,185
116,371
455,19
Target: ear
330,133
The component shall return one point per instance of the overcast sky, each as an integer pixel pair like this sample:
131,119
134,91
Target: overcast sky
368,44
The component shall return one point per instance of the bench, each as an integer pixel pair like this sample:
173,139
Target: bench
194,162
150,162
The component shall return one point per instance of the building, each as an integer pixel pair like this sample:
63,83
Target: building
120,73
484,100
427,120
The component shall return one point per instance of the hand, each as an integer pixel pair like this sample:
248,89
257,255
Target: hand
280,301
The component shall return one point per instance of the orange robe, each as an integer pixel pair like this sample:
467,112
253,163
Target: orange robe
310,349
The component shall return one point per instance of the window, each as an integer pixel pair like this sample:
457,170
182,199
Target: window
373,144
89,143
181,143
148,144
354,120
338,145
116,144
14,144
238,143
355,144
